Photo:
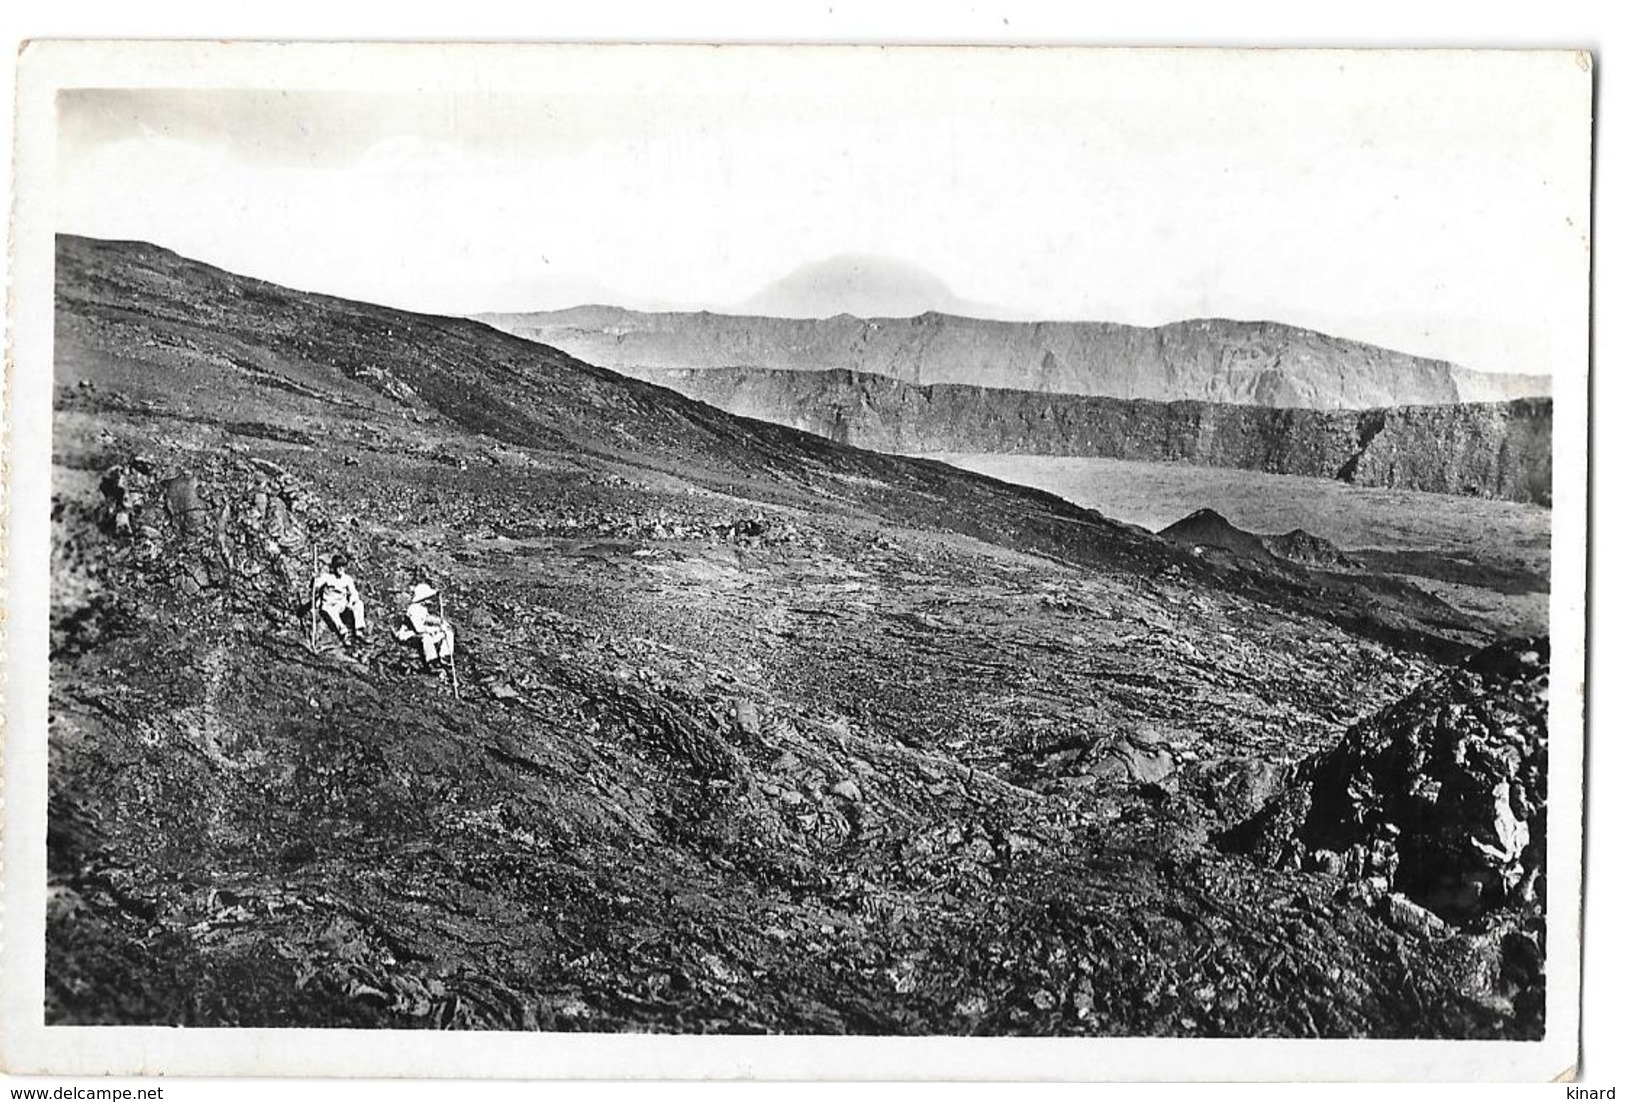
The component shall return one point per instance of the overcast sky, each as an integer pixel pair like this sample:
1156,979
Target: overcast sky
1418,202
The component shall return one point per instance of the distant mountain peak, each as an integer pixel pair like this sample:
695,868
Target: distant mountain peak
858,285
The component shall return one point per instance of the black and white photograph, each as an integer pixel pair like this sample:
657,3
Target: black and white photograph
827,542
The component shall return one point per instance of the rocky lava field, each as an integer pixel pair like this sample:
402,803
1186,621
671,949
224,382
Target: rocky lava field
757,732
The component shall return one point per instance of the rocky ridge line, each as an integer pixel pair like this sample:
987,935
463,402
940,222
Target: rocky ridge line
1210,359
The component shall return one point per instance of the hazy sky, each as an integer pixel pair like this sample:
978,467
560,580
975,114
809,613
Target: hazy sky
1418,202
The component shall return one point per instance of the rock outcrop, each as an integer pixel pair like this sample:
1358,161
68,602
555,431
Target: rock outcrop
1441,796
1498,449
1210,359
1433,810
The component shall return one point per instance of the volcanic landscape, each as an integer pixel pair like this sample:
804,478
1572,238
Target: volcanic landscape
756,731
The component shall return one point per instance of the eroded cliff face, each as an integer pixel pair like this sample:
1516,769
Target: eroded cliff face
1481,449
1495,449
1210,359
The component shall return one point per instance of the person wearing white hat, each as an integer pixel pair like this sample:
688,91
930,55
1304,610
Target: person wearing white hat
432,632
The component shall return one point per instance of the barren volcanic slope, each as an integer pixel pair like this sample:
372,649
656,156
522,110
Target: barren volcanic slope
1211,360
1481,449
757,732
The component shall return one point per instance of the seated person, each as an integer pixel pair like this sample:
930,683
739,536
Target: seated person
433,632
339,602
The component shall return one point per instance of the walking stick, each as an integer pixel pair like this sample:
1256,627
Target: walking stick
440,607
314,574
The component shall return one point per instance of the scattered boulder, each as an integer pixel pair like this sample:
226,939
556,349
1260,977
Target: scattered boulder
121,501
186,509
1238,786
1513,659
1413,919
746,716
1140,757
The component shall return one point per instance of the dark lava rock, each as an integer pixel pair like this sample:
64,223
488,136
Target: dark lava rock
1433,813
1513,659
1141,757
1441,796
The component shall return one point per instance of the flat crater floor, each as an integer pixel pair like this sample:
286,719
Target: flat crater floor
1492,558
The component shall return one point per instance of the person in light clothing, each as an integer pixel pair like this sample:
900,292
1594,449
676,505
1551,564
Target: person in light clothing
433,632
339,602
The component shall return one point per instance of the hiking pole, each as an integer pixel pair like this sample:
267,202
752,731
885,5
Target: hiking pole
314,574
440,607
